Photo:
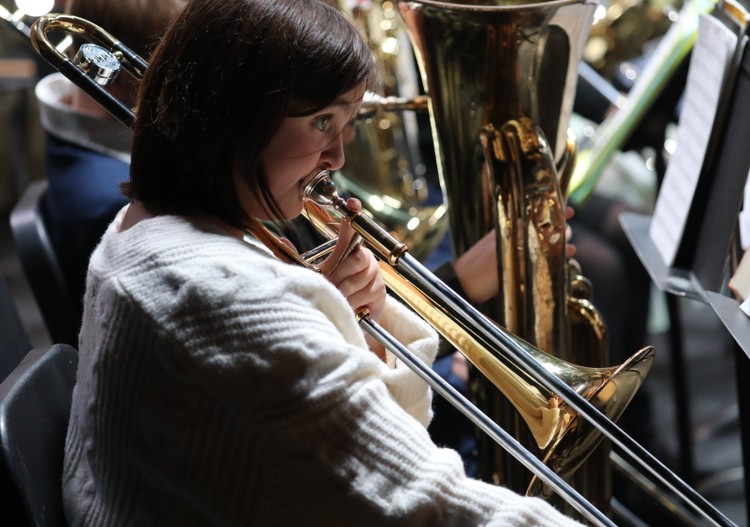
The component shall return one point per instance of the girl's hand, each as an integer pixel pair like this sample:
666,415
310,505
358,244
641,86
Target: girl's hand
356,274
477,269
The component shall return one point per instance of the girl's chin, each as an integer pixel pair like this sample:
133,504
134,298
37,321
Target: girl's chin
293,212
290,215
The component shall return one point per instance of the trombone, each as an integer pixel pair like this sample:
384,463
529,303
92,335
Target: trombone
508,357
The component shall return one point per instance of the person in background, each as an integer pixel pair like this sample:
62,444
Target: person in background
87,152
216,384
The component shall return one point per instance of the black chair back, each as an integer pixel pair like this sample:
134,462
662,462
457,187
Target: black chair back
42,266
35,404
14,342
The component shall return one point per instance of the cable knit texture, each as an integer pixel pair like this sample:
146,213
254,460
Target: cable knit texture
219,386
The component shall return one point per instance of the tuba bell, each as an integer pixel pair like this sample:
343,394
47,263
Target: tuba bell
500,76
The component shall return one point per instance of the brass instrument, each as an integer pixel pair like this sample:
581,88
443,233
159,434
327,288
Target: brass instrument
615,130
623,28
566,416
499,117
551,422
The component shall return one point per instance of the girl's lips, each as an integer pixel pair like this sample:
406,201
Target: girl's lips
308,178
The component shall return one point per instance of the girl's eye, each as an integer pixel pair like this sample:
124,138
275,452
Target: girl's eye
323,123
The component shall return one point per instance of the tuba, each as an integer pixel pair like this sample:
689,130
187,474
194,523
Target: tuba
500,76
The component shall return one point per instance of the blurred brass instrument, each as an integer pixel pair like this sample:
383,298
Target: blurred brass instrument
569,407
384,166
615,130
623,29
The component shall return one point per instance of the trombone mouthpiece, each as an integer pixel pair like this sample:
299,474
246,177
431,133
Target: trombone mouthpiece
321,190
325,208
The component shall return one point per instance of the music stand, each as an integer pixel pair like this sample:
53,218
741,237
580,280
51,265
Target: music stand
698,265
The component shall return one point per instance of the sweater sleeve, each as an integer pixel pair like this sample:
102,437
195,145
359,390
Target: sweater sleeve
411,392
332,426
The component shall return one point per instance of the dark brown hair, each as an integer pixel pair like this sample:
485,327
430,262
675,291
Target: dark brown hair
217,89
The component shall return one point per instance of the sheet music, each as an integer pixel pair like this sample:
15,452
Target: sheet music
745,307
713,52
739,282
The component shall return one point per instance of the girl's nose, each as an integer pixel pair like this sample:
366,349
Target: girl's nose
333,153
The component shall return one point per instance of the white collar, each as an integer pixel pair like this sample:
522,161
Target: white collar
106,136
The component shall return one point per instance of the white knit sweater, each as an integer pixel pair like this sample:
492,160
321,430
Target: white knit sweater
219,386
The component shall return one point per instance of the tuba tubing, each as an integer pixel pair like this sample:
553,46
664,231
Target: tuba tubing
401,260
